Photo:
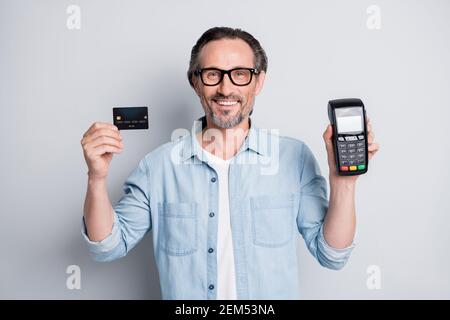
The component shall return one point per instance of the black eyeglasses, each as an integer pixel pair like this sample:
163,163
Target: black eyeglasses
238,76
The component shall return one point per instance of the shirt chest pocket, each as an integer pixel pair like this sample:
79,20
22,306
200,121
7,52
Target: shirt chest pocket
177,233
272,220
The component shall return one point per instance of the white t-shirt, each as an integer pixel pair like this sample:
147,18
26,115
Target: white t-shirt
226,277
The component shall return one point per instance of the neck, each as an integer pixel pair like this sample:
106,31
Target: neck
223,143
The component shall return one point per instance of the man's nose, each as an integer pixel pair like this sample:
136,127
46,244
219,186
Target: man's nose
225,86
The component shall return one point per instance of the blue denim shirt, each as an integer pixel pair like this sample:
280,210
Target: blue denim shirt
276,192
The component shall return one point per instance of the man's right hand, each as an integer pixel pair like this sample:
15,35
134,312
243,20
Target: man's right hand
99,143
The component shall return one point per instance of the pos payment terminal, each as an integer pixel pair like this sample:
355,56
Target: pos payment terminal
347,117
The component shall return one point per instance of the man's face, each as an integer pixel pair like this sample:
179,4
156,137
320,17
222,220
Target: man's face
226,104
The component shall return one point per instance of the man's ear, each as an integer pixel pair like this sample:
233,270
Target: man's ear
260,82
196,85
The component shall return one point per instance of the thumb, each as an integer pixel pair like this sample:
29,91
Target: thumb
327,135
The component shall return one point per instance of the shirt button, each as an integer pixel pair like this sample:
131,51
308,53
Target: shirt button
211,214
213,179
210,250
211,287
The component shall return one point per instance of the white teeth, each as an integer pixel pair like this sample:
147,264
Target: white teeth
226,103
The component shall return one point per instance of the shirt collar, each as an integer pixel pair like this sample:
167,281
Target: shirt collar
252,141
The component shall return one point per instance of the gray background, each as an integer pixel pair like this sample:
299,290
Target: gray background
55,82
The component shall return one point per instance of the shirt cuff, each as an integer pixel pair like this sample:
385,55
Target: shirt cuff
335,257
107,244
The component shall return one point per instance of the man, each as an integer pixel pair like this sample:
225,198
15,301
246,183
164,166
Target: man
223,227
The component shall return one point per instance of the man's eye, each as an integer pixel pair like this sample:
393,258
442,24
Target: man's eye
241,74
212,74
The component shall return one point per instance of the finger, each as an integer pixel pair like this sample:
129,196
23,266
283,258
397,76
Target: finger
100,125
370,138
328,134
104,140
370,132
102,132
106,148
374,147
368,125
371,154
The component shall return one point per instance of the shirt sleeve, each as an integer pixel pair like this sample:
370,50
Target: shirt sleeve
132,218
312,210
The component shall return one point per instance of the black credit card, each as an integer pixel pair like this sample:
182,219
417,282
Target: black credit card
130,118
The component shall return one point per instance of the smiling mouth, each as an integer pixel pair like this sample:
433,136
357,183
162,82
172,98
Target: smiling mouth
226,102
